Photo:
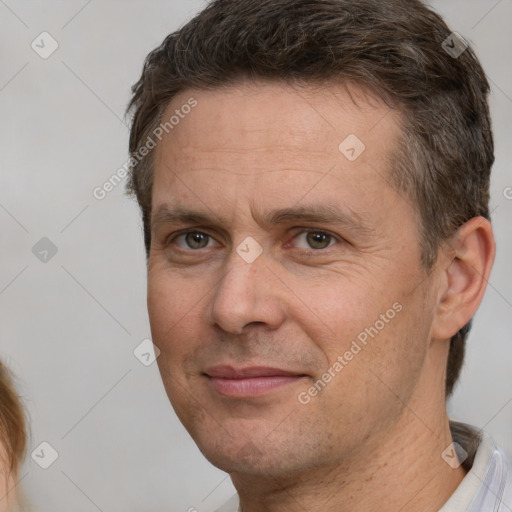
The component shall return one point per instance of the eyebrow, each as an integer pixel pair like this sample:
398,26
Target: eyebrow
315,213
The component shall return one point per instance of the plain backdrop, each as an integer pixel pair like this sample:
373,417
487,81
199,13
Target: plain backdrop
70,321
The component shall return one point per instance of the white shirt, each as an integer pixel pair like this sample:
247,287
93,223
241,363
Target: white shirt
487,487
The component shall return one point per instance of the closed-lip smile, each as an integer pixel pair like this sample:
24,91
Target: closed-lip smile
252,381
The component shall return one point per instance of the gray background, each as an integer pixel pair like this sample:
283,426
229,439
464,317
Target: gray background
69,325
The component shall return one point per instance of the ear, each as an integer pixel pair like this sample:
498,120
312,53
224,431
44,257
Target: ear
464,276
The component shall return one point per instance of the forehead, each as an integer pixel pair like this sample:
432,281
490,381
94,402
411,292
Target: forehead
266,139
306,118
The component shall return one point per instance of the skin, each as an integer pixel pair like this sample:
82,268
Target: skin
8,498
372,438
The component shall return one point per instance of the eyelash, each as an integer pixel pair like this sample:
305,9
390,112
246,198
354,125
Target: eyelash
310,252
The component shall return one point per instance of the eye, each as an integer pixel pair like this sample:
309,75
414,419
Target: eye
193,240
315,239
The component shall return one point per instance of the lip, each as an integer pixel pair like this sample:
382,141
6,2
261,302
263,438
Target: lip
250,381
229,372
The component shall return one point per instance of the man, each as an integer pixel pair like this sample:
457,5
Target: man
314,184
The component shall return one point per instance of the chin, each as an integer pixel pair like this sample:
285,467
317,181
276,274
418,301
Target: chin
246,457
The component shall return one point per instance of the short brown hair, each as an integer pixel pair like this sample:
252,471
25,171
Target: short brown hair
12,422
395,48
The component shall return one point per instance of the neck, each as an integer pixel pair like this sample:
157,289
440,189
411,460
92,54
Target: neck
406,473
401,468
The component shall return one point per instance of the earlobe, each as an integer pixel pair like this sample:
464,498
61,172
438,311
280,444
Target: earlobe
465,277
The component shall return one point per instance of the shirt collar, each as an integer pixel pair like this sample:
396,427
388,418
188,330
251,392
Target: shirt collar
487,487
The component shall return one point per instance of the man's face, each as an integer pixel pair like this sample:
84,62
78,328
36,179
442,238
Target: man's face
249,312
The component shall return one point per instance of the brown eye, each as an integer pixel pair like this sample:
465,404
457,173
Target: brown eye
196,240
315,240
192,240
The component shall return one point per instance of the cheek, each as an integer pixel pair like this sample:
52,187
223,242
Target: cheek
339,313
173,308
372,332
368,390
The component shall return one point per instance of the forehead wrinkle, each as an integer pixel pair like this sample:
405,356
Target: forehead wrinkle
191,151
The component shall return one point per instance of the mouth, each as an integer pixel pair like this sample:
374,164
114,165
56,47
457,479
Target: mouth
251,381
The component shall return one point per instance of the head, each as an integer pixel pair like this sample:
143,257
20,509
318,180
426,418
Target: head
264,98
12,438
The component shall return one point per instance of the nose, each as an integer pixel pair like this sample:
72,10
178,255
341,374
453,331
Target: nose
248,293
